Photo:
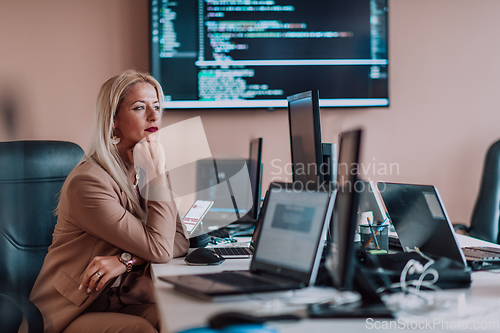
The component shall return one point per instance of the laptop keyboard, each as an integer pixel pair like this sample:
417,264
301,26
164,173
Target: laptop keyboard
235,279
482,253
233,251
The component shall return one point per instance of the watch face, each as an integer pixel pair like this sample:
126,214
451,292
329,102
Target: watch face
126,257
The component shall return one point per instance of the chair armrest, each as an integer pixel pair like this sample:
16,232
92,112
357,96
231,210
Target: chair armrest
30,311
461,229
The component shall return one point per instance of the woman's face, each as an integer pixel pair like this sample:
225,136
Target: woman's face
138,116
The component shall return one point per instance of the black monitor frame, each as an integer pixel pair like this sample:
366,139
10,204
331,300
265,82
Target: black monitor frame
255,170
304,115
341,262
343,222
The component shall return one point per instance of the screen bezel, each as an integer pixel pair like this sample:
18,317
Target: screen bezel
257,187
315,132
343,275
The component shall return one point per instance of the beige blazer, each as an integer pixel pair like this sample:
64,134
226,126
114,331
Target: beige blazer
93,221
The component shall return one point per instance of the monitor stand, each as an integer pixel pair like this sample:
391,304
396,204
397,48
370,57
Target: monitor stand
370,305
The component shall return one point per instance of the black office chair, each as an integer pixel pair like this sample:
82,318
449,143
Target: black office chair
31,176
485,221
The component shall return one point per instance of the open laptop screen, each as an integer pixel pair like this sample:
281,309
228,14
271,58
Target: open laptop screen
292,228
420,219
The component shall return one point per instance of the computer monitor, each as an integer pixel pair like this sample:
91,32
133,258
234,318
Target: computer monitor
235,200
252,54
343,223
255,170
305,138
345,273
221,180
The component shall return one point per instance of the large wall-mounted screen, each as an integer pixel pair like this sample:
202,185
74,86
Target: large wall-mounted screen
255,53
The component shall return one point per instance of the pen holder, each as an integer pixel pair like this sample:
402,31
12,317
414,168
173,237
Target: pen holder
374,238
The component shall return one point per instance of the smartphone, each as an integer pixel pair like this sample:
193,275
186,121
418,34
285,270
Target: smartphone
195,214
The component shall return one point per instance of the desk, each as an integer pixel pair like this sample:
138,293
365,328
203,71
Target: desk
477,307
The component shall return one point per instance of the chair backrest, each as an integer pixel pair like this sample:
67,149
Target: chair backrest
31,176
485,221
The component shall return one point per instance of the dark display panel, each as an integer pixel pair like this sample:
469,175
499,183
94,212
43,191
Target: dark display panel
254,53
305,138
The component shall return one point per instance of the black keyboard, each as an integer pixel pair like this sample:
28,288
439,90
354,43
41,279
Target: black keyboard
233,251
235,279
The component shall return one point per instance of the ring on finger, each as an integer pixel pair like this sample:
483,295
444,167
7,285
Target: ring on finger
99,274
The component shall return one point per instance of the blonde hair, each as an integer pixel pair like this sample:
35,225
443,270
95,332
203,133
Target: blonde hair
102,150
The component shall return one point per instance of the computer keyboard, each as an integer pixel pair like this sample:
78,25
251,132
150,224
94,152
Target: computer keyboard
482,253
233,251
235,279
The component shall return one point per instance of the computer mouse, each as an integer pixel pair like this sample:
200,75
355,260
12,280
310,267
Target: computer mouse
203,256
224,319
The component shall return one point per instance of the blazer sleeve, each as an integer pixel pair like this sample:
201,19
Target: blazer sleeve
95,206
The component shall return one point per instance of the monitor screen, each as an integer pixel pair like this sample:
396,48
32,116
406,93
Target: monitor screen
343,223
254,53
255,169
290,237
420,219
305,138
225,181
233,184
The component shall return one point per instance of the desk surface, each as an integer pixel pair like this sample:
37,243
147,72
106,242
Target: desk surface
477,308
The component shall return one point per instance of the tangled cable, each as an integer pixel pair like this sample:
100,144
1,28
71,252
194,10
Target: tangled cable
411,299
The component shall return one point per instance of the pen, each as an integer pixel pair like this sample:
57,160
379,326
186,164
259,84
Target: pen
382,225
373,235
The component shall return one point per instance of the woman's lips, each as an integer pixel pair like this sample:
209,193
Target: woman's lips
152,129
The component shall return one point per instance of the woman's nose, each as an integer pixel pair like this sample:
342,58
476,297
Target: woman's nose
153,115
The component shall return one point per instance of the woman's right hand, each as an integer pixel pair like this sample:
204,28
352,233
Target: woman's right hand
149,155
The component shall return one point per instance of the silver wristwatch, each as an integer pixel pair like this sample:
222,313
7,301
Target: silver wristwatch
126,259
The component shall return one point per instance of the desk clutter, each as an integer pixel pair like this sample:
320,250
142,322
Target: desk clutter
292,219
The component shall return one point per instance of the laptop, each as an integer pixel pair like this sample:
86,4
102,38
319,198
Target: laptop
420,219
287,254
240,252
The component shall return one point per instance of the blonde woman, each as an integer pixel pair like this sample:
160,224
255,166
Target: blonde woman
96,275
